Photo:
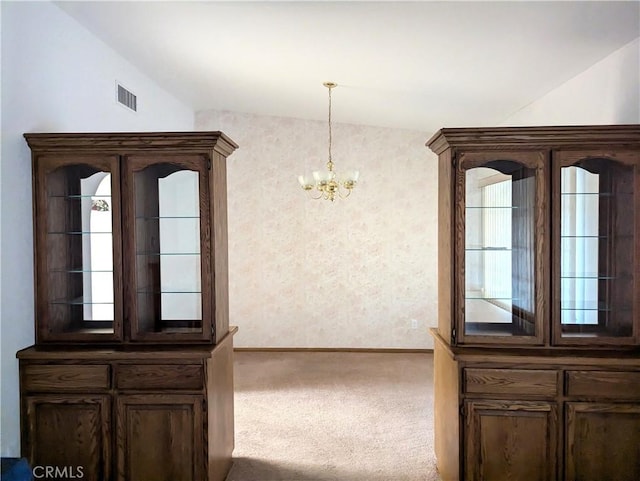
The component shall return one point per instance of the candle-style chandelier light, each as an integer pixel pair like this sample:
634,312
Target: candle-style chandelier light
329,184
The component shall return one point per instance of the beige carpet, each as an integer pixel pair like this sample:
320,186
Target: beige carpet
333,416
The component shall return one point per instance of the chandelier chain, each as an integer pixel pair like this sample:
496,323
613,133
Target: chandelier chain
330,161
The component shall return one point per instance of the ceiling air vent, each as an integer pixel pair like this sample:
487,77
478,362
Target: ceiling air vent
127,98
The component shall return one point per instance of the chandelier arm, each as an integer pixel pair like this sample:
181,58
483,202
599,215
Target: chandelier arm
341,193
312,196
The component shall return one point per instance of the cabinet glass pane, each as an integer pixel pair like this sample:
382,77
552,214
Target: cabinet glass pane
499,250
167,206
596,249
80,250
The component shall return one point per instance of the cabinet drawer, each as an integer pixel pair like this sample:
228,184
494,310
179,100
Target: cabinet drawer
511,381
38,377
604,384
159,376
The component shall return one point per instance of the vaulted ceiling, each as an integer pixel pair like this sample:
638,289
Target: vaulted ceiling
417,65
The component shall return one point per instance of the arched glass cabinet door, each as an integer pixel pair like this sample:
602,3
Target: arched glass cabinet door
500,248
78,243
168,289
596,247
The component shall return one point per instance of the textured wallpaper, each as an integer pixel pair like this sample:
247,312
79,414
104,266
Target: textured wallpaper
353,273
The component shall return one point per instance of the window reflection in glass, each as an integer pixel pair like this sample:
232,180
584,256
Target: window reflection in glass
169,296
80,245
499,254
597,254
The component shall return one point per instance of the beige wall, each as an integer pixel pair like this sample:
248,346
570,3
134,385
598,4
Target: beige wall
311,273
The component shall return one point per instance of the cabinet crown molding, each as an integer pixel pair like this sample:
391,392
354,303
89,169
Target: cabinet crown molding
117,142
534,137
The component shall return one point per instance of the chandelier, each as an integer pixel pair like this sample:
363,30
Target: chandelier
329,184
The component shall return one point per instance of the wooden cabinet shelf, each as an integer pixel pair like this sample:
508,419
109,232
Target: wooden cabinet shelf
537,352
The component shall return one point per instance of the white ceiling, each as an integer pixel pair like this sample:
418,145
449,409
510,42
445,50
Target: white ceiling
417,65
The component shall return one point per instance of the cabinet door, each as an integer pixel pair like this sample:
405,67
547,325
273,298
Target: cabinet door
500,247
160,437
70,433
78,248
596,265
602,442
514,440
167,248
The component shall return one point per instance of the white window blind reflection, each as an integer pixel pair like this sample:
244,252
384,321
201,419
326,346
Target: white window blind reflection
496,228
579,254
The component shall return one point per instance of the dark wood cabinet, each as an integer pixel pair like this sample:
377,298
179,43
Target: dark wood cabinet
500,202
130,237
537,352
602,441
131,377
510,439
67,308
595,225
69,431
130,414
174,422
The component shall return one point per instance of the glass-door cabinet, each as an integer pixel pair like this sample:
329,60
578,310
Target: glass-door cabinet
165,199
500,247
597,239
536,361
130,237
77,245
